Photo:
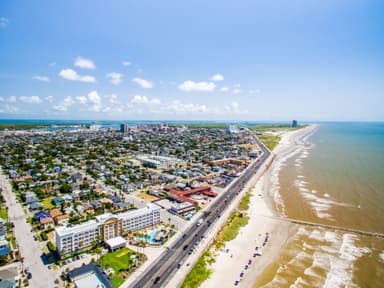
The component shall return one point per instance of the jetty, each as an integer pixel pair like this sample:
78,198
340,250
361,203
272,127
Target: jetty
331,227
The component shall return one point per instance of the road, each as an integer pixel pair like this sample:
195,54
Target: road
157,274
30,249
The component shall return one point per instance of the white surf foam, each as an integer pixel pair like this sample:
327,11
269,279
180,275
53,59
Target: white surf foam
381,256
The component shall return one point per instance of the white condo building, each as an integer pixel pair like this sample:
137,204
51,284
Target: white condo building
107,226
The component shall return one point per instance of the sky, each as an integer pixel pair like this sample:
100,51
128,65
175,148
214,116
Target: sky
272,60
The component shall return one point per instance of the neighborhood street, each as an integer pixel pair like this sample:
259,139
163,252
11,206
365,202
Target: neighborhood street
30,249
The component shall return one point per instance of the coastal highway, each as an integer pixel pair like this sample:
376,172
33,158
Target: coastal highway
158,274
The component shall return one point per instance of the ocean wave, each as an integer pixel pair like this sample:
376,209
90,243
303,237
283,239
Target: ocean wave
341,268
381,256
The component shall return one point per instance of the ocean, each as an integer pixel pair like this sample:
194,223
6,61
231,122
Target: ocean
335,177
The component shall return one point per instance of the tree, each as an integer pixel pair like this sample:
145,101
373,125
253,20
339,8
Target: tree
65,188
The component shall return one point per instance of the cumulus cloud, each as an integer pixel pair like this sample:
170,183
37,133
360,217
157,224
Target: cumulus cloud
30,99
224,89
143,83
11,99
3,22
236,91
84,63
49,99
234,108
10,109
41,78
82,99
112,98
63,106
141,99
217,77
126,63
180,107
115,78
70,74
197,86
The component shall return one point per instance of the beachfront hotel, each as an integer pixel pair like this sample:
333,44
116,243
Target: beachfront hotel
105,227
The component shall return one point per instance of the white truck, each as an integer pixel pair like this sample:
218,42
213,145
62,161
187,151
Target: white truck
199,222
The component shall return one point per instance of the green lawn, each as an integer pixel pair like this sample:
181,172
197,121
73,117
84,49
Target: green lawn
47,204
230,231
269,140
118,260
3,213
199,273
244,202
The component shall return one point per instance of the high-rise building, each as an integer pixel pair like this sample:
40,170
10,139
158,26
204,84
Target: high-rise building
294,123
124,128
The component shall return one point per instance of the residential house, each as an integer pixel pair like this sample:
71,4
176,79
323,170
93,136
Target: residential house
3,229
55,212
62,219
4,247
46,222
41,215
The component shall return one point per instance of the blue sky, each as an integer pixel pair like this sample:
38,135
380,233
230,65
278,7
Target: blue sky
192,60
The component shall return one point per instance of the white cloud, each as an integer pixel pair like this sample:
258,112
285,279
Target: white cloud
63,106
30,99
70,74
84,63
224,89
115,78
197,86
95,100
141,99
234,108
217,77
126,63
11,99
177,106
3,22
143,83
49,99
41,78
112,98
236,91
82,99
11,109
52,64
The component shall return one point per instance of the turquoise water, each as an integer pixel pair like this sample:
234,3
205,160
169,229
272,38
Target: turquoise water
151,237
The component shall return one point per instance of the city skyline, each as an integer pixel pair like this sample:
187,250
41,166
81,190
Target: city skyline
243,60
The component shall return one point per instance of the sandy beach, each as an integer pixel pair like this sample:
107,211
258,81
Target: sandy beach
258,244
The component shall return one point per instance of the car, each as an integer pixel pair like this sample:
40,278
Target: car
157,279
185,247
49,267
29,275
34,238
237,282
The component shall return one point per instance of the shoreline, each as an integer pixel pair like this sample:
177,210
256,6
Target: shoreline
262,227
